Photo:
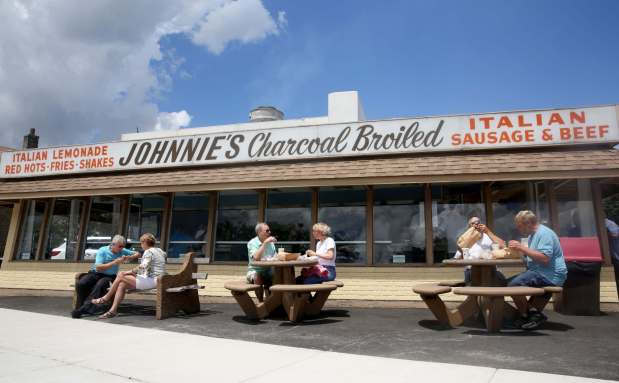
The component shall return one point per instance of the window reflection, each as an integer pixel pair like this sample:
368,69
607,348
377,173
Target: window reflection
103,224
344,209
452,206
31,230
575,208
289,216
188,229
399,225
508,198
145,216
237,216
64,227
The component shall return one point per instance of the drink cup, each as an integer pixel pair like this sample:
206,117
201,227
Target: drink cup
466,253
280,250
495,246
524,241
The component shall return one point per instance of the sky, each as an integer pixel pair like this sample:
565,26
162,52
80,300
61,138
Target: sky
82,72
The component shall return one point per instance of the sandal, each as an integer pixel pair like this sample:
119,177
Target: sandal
99,301
107,315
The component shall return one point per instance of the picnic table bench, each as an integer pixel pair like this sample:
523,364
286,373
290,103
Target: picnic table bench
175,292
297,300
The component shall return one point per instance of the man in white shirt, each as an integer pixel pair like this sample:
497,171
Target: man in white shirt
483,245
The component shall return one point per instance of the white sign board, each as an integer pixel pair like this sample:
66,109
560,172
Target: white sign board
474,132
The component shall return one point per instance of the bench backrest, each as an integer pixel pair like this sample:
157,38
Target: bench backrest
581,249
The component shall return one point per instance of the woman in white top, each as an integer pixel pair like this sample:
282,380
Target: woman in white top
325,251
143,277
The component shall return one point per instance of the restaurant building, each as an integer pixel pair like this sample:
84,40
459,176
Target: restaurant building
397,192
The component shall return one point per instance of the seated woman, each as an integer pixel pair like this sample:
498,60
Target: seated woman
325,251
143,277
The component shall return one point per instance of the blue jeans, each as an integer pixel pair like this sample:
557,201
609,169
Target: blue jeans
314,279
529,278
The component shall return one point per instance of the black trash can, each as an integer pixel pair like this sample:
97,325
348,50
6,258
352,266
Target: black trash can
581,290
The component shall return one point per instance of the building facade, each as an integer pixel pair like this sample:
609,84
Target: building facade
397,192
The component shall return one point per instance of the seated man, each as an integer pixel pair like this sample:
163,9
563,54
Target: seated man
544,261
483,245
261,247
95,283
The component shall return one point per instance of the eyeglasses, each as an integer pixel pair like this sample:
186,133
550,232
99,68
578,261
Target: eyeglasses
267,231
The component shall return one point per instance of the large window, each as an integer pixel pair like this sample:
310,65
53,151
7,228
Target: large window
103,224
399,225
575,208
237,216
289,216
31,230
344,209
508,198
145,216
610,204
188,229
452,206
63,230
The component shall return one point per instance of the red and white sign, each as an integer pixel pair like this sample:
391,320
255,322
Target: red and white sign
434,134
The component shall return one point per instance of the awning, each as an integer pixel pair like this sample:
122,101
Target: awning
462,167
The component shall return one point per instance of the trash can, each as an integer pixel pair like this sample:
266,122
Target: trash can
581,290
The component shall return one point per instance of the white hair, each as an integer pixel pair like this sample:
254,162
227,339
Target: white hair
259,226
119,240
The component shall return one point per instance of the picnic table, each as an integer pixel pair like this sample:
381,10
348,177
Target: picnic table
296,300
485,297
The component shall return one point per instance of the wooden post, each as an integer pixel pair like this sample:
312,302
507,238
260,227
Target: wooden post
43,229
82,236
314,217
369,227
600,225
212,226
12,236
262,204
428,224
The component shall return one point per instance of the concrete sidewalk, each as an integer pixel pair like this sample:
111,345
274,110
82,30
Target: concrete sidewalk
47,348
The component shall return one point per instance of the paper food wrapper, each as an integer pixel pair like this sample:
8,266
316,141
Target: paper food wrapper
506,254
468,239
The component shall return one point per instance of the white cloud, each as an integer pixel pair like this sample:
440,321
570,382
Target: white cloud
81,72
172,120
229,22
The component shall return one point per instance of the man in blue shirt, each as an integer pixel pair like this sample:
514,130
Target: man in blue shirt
545,264
95,283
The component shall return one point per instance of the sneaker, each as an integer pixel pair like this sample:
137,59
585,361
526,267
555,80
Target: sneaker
76,314
518,322
535,320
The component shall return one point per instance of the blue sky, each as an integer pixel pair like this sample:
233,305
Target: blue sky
82,74
408,58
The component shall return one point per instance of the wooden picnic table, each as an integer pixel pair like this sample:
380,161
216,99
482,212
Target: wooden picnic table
483,270
483,275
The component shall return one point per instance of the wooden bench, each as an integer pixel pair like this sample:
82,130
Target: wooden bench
298,301
339,284
430,293
493,300
539,302
175,292
240,292
452,283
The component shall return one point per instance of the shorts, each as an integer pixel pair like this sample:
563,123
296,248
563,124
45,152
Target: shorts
529,278
145,283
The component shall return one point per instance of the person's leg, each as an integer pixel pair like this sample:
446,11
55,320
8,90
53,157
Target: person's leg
331,273
84,289
616,267
107,297
118,297
532,317
312,279
130,281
